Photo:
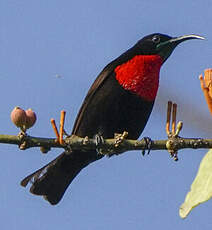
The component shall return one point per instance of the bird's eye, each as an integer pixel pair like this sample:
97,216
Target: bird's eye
156,39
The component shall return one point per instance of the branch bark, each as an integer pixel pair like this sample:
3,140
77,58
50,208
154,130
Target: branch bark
108,145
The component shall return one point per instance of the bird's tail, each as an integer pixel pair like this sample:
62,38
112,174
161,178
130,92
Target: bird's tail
52,180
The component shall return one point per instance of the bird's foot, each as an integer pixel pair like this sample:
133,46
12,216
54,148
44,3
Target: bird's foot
148,145
99,140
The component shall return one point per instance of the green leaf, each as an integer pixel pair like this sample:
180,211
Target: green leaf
201,188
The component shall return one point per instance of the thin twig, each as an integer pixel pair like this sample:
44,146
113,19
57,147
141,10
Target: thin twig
174,115
54,126
169,108
62,121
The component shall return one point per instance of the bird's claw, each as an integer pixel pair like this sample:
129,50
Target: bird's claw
148,145
99,140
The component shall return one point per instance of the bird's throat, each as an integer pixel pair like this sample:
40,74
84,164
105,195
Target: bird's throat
140,75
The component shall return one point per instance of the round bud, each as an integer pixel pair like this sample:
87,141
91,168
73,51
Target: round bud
30,118
18,117
44,150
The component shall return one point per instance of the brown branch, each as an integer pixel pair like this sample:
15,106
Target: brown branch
119,144
109,145
30,141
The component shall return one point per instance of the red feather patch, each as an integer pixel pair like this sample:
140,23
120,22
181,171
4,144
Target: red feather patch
140,75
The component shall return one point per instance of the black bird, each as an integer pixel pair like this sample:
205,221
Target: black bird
120,99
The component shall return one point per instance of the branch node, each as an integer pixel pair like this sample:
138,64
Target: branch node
173,141
119,138
22,135
172,147
85,140
23,146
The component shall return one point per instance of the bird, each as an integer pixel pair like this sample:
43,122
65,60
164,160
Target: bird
120,99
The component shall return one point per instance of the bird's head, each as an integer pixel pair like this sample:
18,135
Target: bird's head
161,44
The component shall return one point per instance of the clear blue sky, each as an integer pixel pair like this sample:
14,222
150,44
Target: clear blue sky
76,39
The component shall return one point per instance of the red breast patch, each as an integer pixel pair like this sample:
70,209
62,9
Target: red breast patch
140,75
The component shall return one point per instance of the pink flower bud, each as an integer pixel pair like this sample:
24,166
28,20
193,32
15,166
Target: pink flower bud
18,117
30,118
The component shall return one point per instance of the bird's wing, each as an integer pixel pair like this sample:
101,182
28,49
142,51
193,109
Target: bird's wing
106,72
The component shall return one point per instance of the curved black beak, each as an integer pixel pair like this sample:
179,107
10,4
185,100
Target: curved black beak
183,38
165,48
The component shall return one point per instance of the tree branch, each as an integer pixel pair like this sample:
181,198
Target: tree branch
119,144
108,146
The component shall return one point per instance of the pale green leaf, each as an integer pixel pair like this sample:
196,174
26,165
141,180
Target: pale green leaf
201,188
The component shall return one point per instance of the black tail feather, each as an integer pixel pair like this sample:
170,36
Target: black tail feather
52,180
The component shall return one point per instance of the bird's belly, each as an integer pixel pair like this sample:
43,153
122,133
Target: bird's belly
114,110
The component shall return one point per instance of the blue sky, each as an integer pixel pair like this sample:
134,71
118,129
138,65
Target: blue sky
76,39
